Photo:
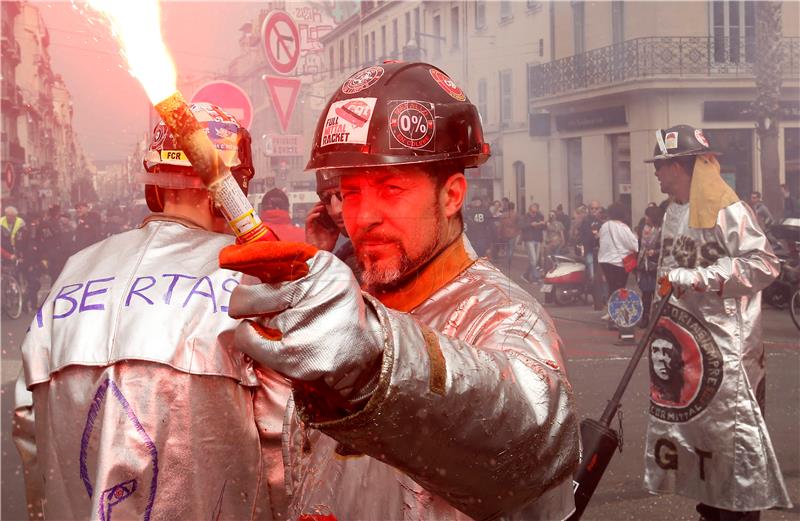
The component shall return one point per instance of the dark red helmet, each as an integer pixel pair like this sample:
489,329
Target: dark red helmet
680,141
396,114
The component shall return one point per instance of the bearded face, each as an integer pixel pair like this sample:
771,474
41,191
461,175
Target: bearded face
396,223
666,368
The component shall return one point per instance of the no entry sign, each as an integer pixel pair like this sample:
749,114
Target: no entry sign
229,97
281,39
9,176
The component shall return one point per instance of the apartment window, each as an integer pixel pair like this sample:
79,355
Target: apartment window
395,45
621,170
366,49
519,176
791,144
455,37
416,24
408,28
533,5
505,10
579,41
331,63
437,34
383,41
372,45
505,98
480,14
341,55
574,172
354,52
618,21
733,28
541,47
482,99
552,10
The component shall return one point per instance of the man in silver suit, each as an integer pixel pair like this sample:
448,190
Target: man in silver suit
436,389
134,403
707,439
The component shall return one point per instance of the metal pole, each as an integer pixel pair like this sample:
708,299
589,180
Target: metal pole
613,404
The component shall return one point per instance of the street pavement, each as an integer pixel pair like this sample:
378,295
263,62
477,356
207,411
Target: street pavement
595,365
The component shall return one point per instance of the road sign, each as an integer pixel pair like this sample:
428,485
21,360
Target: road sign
229,97
281,39
9,176
625,307
283,144
283,92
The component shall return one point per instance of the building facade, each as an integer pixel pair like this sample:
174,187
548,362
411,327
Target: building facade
641,66
42,160
571,93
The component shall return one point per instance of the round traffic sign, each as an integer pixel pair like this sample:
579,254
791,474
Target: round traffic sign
281,39
625,307
9,176
229,97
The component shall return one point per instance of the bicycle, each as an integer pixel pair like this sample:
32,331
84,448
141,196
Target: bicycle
794,308
12,290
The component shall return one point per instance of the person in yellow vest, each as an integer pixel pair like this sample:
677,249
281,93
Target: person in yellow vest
435,389
11,223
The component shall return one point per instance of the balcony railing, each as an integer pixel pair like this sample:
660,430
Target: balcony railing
685,56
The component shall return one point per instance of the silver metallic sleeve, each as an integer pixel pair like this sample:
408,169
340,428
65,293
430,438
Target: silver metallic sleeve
489,425
748,265
24,435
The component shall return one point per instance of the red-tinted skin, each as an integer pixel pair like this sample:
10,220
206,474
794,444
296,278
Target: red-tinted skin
395,219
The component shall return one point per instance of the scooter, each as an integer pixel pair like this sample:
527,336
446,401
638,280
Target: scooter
566,282
785,239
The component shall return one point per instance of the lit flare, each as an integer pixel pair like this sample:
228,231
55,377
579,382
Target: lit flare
136,25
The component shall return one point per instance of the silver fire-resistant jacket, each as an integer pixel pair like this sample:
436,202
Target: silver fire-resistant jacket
134,404
707,438
473,416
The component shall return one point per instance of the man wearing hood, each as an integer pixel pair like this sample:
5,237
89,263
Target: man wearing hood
709,441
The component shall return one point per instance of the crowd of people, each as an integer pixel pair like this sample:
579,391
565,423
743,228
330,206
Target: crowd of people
39,244
603,236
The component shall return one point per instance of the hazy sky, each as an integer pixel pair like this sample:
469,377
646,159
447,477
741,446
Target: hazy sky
110,107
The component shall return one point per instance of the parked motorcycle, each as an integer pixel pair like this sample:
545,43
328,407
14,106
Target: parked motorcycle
786,237
566,282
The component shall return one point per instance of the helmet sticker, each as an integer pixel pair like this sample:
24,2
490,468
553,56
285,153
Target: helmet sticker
173,155
701,138
158,135
362,80
671,140
347,122
448,85
412,125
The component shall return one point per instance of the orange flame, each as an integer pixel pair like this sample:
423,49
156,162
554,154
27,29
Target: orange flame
136,25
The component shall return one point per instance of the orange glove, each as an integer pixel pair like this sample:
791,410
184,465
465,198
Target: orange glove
270,261
664,286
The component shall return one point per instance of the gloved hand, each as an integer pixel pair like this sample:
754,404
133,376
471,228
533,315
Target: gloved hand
316,328
685,279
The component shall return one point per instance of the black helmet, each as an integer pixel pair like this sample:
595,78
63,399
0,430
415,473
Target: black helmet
679,141
325,183
396,114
